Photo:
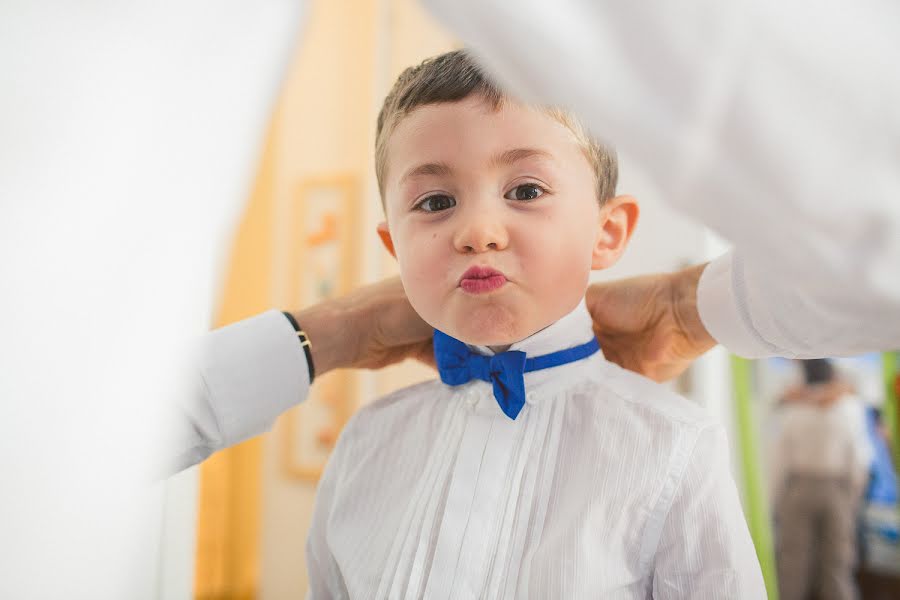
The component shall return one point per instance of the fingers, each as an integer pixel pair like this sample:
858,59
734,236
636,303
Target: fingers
425,354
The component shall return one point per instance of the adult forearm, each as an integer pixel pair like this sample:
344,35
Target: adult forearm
326,324
369,328
686,309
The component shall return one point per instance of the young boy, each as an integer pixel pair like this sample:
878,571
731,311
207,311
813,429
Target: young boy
534,469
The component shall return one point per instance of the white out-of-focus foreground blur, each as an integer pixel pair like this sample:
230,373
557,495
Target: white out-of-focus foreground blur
128,139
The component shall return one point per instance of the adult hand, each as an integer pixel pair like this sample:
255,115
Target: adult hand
369,328
650,324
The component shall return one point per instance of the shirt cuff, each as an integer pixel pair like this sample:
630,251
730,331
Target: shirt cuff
722,304
253,371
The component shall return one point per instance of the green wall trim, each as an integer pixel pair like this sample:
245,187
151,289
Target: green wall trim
755,502
890,364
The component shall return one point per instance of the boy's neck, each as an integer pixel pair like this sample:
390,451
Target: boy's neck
499,349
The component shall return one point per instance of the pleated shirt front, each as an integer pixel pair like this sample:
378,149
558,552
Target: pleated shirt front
606,486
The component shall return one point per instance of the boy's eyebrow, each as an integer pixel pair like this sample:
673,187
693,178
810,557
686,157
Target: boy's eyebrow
509,157
433,169
513,156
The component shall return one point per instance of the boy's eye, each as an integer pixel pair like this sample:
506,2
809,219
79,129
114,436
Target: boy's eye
436,203
526,191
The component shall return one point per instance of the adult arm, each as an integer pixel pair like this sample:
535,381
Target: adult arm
777,130
254,370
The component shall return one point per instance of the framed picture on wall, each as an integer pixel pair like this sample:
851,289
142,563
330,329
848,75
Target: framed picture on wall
322,262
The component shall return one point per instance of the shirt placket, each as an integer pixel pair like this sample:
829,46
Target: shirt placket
469,525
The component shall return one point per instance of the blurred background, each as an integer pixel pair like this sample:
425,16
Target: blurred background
308,233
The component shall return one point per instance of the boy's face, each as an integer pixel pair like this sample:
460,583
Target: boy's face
494,219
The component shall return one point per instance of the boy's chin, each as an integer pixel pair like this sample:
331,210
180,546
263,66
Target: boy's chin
488,326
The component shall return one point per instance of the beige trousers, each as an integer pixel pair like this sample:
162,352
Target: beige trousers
816,538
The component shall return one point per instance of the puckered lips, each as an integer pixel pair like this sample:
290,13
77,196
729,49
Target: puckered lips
481,280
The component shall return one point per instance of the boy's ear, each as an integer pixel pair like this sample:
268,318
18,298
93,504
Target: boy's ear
385,236
618,218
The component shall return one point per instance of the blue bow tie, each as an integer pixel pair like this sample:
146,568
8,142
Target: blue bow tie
458,365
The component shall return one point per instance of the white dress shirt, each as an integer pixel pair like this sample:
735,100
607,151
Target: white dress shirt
605,486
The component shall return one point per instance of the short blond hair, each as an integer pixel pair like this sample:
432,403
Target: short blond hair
454,76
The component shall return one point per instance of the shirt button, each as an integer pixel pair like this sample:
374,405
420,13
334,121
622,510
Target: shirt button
471,398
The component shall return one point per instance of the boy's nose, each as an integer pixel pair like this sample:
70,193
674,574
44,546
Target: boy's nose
481,234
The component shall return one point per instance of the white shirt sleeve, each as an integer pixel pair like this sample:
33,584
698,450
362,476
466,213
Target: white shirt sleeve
757,310
705,549
251,372
777,130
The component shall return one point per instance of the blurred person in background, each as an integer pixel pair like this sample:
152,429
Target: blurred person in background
820,467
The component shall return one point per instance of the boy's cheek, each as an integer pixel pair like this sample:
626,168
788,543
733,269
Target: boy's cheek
562,267
421,273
